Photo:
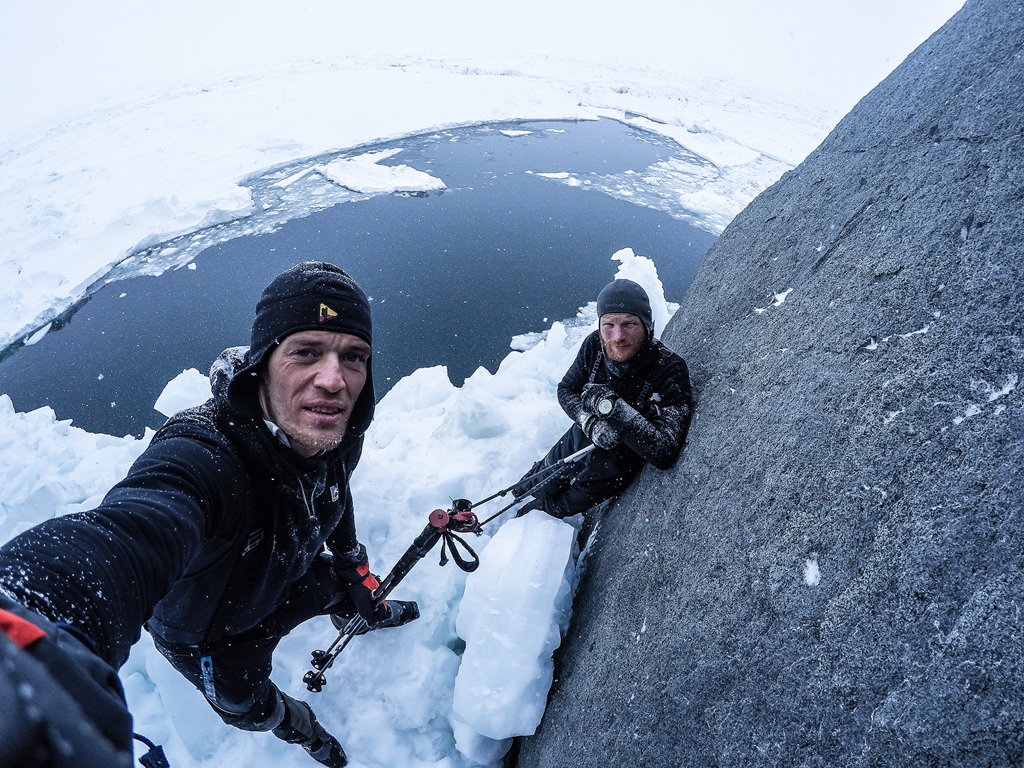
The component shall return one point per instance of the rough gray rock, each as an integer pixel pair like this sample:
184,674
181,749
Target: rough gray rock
832,573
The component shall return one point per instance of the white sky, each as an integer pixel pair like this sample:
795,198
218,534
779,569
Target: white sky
57,55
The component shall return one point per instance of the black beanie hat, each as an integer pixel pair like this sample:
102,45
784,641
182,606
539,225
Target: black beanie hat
311,296
626,296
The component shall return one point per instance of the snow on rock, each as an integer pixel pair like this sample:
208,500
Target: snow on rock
511,617
186,390
778,299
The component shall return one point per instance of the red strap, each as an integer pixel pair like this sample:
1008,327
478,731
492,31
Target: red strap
21,631
371,583
369,580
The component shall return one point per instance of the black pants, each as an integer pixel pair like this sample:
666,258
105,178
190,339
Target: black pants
600,475
234,673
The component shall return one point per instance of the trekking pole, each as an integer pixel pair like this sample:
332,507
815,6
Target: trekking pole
558,464
540,477
443,526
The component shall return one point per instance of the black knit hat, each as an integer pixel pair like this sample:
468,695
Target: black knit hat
626,296
311,296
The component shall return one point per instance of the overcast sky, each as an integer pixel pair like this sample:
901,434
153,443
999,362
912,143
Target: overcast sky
57,55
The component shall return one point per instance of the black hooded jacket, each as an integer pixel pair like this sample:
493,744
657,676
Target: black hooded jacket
215,523
654,405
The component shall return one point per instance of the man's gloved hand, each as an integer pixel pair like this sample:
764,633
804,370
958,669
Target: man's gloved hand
526,482
594,394
601,433
352,571
604,435
585,421
400,613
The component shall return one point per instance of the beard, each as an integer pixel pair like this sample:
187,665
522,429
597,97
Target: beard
621,353
305,439
314,442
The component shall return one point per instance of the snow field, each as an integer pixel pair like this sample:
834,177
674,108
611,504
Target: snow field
103,184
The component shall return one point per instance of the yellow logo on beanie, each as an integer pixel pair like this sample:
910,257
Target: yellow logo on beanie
326,313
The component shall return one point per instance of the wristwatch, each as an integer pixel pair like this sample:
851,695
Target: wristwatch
605,406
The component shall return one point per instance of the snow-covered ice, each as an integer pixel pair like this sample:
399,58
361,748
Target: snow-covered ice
183,391
364,173
512,616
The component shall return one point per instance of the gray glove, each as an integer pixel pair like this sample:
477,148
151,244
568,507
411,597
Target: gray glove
601,433
585,421
604,435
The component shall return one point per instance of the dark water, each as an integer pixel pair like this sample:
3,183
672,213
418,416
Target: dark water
453,276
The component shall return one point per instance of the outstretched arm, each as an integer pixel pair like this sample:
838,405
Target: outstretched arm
102,571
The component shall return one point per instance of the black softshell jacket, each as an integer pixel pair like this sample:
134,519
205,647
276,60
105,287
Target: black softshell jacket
652,414
206,536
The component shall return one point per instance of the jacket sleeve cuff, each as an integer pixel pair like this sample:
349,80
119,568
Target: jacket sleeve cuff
350,567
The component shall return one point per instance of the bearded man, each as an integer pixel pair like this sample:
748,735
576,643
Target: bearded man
628,395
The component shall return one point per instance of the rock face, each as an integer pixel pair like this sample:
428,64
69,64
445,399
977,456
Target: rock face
833,573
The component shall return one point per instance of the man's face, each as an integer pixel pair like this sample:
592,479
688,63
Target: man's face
622,335
310,385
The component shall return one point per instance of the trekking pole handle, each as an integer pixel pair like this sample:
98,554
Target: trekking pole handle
578,455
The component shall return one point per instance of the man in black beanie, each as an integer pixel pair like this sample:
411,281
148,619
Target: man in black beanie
628,395
236,524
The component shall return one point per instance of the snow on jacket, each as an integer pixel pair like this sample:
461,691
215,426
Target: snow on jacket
203,539
652,412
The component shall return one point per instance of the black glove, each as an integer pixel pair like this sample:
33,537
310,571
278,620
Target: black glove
352,571
595,394
604,435
585,421
402,612
526,482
